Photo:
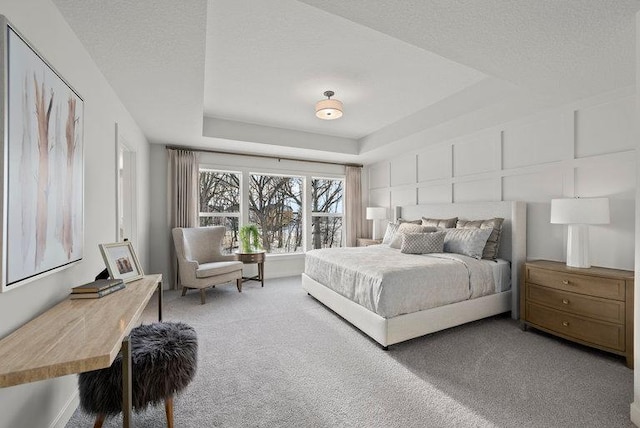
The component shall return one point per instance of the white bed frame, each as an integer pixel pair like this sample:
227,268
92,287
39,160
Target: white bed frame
387,331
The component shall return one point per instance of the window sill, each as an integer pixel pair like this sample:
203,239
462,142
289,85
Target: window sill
285,256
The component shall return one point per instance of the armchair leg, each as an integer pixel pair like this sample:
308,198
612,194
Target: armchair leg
202,296
184,290
239,284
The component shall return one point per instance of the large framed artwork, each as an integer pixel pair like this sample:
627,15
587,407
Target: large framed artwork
42,165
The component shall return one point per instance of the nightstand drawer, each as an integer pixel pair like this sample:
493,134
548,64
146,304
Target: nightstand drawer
592,331
591,285
578,304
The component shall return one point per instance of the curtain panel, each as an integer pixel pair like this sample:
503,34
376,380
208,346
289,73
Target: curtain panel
353,204
183,200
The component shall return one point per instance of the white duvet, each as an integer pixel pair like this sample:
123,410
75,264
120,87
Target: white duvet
391,283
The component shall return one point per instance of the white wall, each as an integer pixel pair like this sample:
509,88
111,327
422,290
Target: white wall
585,149
51,402
276,265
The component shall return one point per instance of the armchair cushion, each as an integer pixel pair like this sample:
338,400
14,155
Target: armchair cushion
206,270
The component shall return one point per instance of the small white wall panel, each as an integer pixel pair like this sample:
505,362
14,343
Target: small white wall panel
403,170
403,196
434,164
477,191
477,154
435,194
542,141
611,245
544,240
605,128
379,198
379,175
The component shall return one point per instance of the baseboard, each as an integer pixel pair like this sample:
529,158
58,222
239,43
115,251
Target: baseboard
67,411
635,413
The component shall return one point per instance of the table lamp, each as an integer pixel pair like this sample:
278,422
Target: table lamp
375,214
579,213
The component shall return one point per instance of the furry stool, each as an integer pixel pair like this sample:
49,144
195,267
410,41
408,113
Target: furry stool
164,358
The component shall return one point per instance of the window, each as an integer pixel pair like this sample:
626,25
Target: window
275,205
327,212
220,204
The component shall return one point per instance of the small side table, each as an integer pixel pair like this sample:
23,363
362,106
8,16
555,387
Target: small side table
365,242
252,257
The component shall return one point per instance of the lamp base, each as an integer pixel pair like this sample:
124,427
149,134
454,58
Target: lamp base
578,246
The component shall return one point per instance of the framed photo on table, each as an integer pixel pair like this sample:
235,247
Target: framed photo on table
121,260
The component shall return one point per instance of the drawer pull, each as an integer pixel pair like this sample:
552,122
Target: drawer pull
565,281
565,301
565,323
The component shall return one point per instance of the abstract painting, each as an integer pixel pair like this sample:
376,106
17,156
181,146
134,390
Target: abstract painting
43,166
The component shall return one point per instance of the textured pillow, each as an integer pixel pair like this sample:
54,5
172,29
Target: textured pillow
469,242
422,243
493,243
396,242
400,220
392,228
440,222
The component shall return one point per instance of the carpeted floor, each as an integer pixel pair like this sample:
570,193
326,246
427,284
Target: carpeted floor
275,357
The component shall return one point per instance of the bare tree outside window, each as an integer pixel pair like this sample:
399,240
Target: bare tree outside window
327,211
275,206
220,204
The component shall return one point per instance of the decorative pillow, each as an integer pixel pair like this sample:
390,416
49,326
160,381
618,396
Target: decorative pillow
469,242
493,243
396,241
392,228
446,223
423,243
401,220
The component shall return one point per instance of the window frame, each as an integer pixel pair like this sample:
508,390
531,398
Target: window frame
341,215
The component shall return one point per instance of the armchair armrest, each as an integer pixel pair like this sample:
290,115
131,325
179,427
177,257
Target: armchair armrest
226,258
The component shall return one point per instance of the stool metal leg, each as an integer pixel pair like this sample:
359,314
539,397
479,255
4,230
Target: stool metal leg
126,383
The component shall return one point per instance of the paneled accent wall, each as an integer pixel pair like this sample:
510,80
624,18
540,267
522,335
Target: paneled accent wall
586,149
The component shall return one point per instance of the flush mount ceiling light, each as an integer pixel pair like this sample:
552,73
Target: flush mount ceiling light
329,109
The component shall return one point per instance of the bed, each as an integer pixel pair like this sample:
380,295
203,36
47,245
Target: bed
394,321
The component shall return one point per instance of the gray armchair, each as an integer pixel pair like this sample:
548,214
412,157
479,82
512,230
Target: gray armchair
201,263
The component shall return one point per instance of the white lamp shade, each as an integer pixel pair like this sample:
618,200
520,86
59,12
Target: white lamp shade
580,211
329,109
376,213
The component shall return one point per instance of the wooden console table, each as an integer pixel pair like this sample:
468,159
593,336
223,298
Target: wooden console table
77,336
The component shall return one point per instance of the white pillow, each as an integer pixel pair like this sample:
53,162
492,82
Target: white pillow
468,242
392,228
422,243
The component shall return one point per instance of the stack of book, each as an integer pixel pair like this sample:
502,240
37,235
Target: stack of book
97,289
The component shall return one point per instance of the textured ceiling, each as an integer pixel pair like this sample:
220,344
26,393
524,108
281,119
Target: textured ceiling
198,72
268,62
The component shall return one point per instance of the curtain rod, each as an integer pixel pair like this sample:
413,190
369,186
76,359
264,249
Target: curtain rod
279,158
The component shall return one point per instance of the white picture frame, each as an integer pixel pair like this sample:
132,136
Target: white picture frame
42,164
121,261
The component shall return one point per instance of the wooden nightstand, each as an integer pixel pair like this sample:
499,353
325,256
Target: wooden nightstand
365,242
592,306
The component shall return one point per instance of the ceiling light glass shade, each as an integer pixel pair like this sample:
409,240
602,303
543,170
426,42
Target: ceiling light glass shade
580,211
329,109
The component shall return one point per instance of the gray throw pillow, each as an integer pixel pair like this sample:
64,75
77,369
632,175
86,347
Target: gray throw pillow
440,222
468,242
423,243
493,243
396,242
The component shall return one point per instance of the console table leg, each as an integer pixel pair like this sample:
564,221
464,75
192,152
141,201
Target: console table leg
160,301
126,383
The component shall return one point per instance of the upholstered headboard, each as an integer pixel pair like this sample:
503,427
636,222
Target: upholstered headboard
513,241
